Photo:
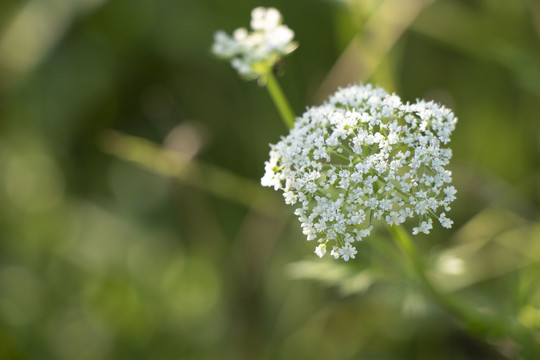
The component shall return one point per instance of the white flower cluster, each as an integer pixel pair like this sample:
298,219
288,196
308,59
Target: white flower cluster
364,155
254,53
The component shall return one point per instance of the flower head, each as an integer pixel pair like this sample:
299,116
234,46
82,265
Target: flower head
253,54
361,156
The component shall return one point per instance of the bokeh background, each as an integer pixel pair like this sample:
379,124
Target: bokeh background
132,223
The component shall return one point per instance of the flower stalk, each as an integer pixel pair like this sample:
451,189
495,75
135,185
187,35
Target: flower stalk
406,245
279,99
478,324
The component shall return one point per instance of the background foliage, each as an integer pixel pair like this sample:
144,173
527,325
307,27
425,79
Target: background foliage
132,225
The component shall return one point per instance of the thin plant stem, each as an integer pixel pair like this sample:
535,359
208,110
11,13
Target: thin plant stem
477,323
279,99
214,180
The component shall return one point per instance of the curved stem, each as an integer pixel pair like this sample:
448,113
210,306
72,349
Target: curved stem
476,322
407,246
279,100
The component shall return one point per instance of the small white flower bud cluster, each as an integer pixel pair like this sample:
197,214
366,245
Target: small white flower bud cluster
364,155
253,54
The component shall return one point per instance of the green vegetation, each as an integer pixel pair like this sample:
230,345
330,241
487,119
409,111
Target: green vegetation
132,221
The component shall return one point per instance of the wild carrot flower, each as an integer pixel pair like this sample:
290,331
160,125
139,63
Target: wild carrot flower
253,54
361,156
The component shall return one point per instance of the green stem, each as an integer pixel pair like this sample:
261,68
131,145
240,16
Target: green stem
341,156
279,100
478,324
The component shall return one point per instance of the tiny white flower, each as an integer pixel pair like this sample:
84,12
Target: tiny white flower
320,250
347,252
265,19
445,222
450,192
425,226
224,45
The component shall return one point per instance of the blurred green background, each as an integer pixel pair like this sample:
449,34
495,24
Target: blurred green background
132,225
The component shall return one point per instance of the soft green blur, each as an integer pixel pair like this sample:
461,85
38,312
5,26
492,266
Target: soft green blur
132,225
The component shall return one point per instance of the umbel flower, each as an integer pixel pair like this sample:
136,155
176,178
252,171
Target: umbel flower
364,155
253,54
